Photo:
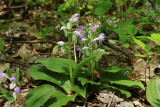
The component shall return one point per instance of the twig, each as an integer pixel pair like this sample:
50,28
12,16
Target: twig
111,100
15,7
116,48
29,42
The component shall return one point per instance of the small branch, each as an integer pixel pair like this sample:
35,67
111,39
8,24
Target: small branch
15,7
111,100
116,48
29,42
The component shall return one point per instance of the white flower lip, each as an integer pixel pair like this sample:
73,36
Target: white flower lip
83,39
85,47
76,14
63,28
12,85
77,33
60,43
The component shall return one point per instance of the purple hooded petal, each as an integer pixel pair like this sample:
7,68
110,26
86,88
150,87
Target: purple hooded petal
17,90
81,27
2,74
82,36
12,79
93,28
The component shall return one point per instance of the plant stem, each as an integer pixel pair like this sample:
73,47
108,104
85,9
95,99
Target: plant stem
69,58
75,57
92,68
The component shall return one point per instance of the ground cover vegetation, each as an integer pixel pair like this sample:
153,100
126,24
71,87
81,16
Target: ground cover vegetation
89,53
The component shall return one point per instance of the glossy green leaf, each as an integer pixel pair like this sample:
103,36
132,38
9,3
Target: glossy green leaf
59,99
43,74
81,90
39,95
153,92
119,76
6,94
123,91
59,65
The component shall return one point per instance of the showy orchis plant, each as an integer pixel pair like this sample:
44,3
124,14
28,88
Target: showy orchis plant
71,76
13,86
87,37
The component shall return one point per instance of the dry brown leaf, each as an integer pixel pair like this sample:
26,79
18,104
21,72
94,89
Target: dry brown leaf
26,52
3,66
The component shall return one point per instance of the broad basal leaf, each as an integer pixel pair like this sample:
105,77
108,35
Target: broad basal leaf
81,90
123,91
119,77
43,74
39,95
59,99
153,92
59,65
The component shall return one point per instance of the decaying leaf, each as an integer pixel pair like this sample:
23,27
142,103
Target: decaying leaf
3,66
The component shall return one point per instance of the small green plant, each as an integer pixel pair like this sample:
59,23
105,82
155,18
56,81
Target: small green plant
152,93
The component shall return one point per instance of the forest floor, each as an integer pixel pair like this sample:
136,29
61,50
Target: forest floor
23,48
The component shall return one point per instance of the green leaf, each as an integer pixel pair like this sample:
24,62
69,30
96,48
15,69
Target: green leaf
6,94
100,11
155,38
115,69
43,74
9,72
132,30
85,80
63,24
1,45
81,90
119,77
59,65
126,45
153,92
60,99
123,91
17,74
39,95
141,44
140,55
